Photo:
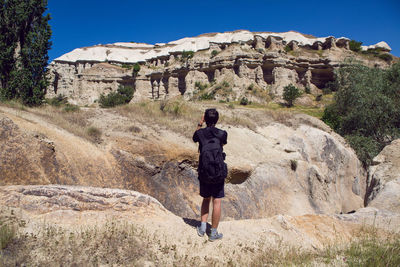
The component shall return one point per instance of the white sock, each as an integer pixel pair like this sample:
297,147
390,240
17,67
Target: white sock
203,226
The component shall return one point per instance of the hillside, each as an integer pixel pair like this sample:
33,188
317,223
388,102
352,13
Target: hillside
126,176
222,66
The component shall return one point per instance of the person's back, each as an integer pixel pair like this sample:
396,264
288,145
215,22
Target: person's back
212,170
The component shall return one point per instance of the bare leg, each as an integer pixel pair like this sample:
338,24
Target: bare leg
205,207
216,213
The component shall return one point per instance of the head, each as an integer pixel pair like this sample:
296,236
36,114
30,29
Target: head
211,116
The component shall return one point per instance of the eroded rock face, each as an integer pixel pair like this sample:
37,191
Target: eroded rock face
267,60
274,169
298,171
66,202
18,164
384,179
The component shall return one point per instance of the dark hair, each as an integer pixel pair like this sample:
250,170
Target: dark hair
211,116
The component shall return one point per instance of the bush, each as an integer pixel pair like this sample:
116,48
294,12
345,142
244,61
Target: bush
94,134
331,116
57,100
288,49
355,46
214,53
308,90
225,84
187,55
244,101
366,148
290,93
326,91
136,69
123,95
7,234
366,108
207,96
71,108
386,57
200,86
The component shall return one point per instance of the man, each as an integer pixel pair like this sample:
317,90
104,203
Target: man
211,185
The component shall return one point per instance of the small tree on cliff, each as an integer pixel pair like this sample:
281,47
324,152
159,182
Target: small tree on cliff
24,42
290,93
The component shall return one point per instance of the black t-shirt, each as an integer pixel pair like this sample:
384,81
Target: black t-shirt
210,132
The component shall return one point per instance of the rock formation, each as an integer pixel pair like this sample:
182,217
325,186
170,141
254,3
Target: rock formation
242,59
294,168
57,219
383,182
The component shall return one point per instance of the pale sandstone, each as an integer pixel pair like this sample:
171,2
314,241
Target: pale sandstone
258,58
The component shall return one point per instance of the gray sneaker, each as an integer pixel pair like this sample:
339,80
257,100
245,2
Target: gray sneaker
200,232
215,236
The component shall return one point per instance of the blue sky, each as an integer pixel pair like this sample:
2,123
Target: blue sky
90,22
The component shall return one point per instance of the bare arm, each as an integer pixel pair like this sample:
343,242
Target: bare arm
200,123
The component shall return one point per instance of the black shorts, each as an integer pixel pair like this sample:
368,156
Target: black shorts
212,190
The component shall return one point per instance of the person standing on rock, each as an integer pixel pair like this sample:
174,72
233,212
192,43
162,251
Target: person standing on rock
212,170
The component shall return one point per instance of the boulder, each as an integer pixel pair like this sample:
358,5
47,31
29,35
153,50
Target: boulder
383,182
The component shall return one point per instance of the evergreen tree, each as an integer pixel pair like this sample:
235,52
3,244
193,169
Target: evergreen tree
24,43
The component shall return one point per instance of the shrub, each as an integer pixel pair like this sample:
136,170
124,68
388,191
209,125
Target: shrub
288,49
331,116
366,148
355,46
290,93
260,50
244,101
207,96
123,95
225,84
251,87
57,100
200,86
326,91
366,108
385,57
94,134
71,108
308,90
187,55
214,53
7,234
136,69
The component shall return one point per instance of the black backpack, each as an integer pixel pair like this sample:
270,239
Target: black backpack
212,168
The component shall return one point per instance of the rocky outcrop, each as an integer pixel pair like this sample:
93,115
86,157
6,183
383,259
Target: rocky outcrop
42,199
59,224
297,171
383,182
269,61
274,169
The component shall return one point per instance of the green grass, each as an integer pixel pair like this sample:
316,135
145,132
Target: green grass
367,248
7,234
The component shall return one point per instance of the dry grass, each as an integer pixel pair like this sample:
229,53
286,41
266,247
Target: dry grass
75,122
111,244
175,114
118,243
369,247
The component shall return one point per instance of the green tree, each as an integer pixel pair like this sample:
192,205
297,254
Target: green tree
290,93
123,95
24,43
355,46
366,108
